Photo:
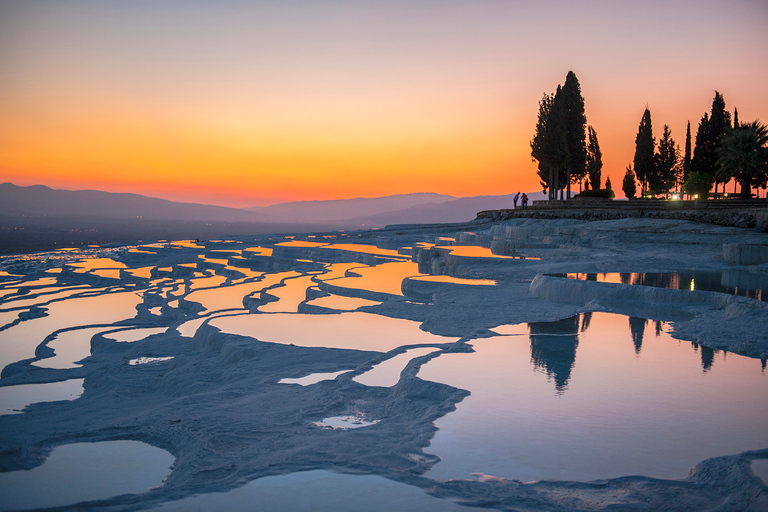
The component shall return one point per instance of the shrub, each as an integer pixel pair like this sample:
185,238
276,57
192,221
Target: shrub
603,193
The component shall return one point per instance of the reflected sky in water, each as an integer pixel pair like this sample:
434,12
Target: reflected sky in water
595,396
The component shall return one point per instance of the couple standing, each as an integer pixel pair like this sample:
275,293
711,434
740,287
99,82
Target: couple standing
524,198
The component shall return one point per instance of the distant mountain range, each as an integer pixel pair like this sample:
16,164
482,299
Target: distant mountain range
40,218
39,200
416,208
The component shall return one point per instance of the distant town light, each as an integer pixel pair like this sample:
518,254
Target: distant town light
674,196
696,196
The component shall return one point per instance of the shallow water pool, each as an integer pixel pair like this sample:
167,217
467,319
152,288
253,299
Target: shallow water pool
594,396
84,472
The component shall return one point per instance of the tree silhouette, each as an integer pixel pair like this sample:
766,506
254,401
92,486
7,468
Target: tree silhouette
686,169
644,149
594,159
553,348
637,328
666,159
744,155
719,125
628,185
559,139
576,123
549,144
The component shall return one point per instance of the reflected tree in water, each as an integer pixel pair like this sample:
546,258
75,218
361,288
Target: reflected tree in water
707,358
553,348
637,328
585,320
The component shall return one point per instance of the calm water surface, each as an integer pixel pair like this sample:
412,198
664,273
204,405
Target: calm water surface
595,396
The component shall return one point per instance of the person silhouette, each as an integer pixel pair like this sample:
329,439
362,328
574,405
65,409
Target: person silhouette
525,201
514,199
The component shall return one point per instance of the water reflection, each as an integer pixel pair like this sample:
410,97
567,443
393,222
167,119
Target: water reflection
731,281
637,329
553,348
611,412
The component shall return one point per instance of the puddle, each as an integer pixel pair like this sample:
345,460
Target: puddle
15,398
131,335
341,303
84,472
88,265
231,297
732,282
312,378
148,360
109,273
563,403
258,251
344,422
290,296
19,342
355,330
387,373
366,249
473,251
69,346
207,282
141,272
384,278
48,295
455,280
337,270
320,491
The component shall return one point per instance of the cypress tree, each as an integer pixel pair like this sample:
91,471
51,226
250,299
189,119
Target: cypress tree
628,185
594,159
735,118
702,148
576,123
644,149
667,159
719,124
549,145
687,158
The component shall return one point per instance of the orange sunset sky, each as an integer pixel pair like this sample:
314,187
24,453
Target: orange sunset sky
244,103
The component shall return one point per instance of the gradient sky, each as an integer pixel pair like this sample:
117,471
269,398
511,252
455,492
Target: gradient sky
245,103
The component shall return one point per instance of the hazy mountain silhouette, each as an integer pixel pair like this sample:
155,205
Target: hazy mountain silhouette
41,218
456,210
348,210
39,200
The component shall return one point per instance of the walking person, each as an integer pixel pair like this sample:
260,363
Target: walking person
514,199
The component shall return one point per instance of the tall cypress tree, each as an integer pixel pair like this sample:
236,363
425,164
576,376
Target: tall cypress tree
719,124
576,123
687,158
701,161
644,149
549,144
594,159
667,159
735,118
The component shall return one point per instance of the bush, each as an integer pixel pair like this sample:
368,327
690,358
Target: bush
603,193
699,183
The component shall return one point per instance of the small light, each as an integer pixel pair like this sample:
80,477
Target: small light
674,196
696,196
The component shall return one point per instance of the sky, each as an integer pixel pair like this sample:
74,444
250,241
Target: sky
245,103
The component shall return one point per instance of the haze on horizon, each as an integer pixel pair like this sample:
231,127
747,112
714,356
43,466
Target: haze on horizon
246,103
